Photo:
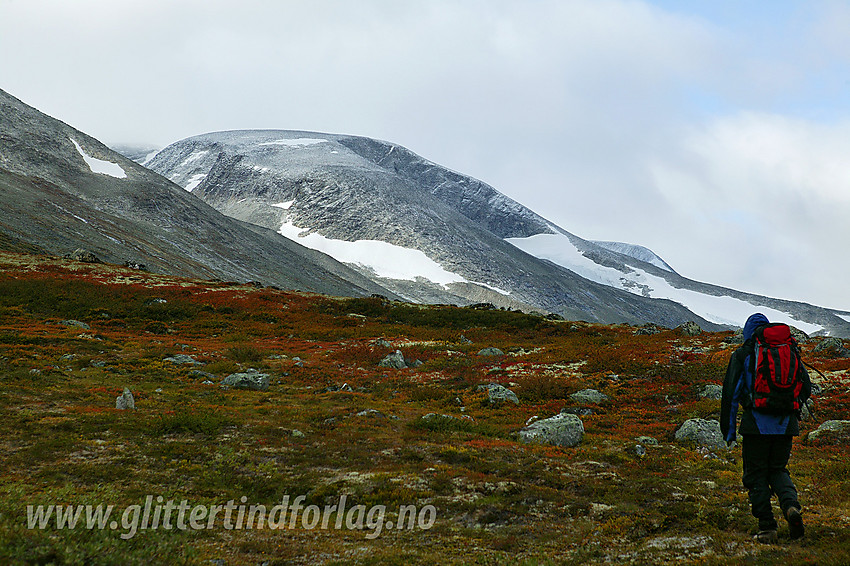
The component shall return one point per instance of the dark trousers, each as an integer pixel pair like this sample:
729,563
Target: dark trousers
766,473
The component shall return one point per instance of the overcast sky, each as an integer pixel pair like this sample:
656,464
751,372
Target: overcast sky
715,132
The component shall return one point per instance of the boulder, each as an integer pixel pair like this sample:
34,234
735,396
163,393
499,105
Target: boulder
690,328
563,429
800,336
76,323
394,360
591,396
711,391
181,359
84,256
647,330
703,432
832,347
490,351
499,393
837,431
125,400
251,379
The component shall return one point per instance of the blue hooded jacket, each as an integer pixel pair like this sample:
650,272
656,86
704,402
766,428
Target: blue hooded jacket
739,383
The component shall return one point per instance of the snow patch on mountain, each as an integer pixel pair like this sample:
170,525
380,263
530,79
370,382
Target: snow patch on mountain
386,260
149,156
296,142
558,249
194,181
284,205
99,165
843,316
638,252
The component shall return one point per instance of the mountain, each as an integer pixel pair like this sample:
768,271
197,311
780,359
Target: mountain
61,190
432,234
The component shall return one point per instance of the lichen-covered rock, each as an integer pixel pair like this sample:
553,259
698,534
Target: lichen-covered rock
836,431
690,328
499,393
251,379
125,400
702,431
490,351
84,256
181,359
76,323
711,391
394,360
563,429
589,396
832,347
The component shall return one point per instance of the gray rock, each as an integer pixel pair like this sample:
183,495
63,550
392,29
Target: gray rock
711,391
640,450
647,330
703,432
490,351
181,359
499,393
76,323
690,328
580,411
201,374
125,400
563,429
647,440
589,396
836,430
394,360
251,379
381,343
371,413
832,347
84,256
737,338
800,336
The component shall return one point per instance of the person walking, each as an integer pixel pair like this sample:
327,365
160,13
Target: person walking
770,419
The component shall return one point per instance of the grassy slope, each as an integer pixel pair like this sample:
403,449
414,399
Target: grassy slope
498,501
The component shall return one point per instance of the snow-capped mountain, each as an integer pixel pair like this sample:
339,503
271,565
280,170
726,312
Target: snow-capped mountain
61,190
435,235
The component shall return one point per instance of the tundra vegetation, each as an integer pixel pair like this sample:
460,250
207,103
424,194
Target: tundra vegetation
333,422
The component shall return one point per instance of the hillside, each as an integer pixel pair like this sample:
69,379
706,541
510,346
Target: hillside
332,422
434,235
61,190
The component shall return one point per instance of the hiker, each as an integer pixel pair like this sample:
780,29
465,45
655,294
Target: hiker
769,422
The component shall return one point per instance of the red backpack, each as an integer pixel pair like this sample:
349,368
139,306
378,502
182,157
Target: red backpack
776,363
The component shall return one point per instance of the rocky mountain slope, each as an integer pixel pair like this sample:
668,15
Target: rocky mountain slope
61,189
432,234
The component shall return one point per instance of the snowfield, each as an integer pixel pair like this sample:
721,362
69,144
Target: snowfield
99,165
194,181
296,142
558,249
386,260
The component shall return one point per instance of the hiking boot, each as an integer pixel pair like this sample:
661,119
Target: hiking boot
795,522
766,537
